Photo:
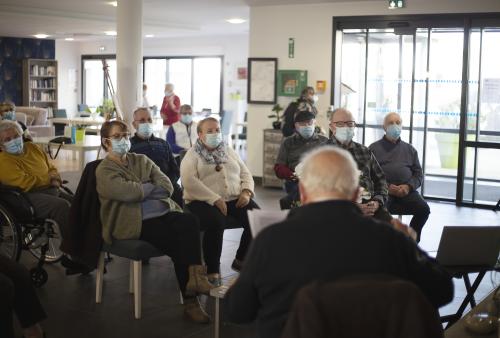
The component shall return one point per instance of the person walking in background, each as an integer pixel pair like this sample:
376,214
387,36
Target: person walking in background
170,107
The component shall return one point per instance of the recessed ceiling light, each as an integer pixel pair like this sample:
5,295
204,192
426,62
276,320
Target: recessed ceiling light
236,21
41,36
149,36
69,39
110,33
113,3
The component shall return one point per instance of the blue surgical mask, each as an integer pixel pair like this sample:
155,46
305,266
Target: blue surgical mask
145,130
15,146
10,115
344,134
168,93
121,146
306,131
393,131
186,118
213,140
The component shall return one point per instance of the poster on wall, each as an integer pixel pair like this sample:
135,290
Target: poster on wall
262,78
242,73
291,82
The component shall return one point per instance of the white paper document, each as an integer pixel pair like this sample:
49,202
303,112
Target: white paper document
261,219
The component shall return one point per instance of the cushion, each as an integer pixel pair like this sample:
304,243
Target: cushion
132,249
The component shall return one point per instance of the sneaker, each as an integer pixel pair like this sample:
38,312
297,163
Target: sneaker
237,265
214,279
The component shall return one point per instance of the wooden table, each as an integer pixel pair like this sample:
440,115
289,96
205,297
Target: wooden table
91,143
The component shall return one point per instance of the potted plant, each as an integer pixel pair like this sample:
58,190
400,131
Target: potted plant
276,115
107,109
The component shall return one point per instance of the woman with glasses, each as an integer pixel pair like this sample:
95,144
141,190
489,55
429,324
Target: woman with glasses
136,204
217,186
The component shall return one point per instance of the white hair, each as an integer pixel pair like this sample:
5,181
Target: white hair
386,117
330,169
170,84
6,125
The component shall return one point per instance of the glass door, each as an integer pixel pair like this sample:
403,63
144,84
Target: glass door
482,133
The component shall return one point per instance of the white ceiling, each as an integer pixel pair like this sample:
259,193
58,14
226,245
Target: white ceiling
295,2
89,19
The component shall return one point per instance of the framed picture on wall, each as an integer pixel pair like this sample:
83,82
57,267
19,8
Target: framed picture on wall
291,82
262,80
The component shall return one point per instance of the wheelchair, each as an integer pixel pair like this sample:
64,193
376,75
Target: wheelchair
21,230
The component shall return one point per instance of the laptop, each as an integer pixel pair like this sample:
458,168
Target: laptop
469,246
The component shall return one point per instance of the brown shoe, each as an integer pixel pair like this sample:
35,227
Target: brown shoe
198,282
194,312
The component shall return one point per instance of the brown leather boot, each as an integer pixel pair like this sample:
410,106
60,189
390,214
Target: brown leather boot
194,312
198,282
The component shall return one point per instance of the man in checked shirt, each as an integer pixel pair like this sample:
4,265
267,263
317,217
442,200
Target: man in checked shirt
372,178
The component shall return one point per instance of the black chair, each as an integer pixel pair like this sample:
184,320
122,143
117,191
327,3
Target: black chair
59,127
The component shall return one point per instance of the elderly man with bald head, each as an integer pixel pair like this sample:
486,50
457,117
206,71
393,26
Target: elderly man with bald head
372,178
399,161
327,238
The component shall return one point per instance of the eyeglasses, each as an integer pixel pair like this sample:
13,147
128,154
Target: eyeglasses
119,136
341,124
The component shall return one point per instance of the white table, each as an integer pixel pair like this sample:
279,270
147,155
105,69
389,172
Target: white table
82,121
91,143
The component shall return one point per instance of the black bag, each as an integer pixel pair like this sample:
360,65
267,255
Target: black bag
61,140
288,117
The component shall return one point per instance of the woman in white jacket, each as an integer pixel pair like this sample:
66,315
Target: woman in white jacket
217,185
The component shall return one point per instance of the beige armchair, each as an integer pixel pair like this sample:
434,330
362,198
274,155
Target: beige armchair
36,120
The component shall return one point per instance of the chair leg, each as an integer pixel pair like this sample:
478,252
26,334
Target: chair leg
131,278
137,288
400,217
181,299
99,278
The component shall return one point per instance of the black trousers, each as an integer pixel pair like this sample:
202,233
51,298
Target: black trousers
18,296
411,204
213,222
177,235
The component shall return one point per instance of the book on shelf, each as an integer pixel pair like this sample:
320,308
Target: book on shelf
37,70
43,84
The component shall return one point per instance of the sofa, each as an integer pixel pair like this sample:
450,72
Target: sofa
36,119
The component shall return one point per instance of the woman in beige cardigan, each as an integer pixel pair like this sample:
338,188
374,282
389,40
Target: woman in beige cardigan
217,185
135,204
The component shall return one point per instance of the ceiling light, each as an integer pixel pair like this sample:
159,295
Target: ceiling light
149,36
41,36
110,33
69,39
236,21
113,3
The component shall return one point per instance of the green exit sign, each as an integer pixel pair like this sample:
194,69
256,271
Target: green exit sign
393,4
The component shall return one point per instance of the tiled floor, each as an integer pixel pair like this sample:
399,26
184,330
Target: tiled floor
70,301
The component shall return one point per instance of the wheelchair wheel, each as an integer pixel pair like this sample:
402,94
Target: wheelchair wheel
10,236
51,234
39,276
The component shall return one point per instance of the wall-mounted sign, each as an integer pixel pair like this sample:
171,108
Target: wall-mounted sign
320,86
291,48
291,82
393,4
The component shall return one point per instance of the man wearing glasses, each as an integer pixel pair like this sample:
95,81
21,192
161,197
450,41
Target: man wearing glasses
372,179
157,149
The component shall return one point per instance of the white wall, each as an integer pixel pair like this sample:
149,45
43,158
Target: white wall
68,60
311,26
233,48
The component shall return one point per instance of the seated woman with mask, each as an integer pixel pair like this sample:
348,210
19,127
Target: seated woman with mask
135,204
217,184
8,112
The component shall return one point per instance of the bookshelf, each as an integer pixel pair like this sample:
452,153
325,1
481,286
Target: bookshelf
40,84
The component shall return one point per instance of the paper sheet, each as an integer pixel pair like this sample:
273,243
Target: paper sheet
261,219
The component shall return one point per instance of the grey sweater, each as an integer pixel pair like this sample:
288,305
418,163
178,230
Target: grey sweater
121,194
399,161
